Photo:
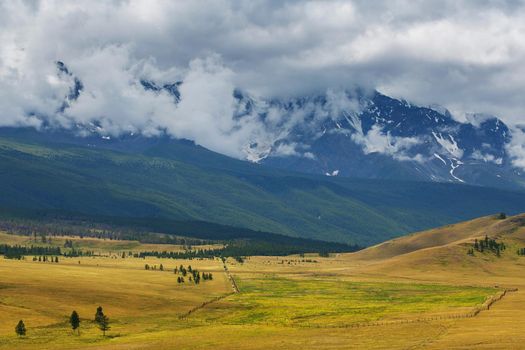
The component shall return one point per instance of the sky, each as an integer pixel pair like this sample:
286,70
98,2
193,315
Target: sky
467,56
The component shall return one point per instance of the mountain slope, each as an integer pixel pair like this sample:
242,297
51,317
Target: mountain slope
371,135
177,180
358,134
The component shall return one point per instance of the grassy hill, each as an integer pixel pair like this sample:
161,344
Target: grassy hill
177,180
438,237
443,253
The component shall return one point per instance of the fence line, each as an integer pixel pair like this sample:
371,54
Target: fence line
473,313
230,278
208,302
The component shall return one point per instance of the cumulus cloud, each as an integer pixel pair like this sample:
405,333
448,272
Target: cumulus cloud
464,55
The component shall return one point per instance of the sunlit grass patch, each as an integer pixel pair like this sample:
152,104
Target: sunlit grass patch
297,302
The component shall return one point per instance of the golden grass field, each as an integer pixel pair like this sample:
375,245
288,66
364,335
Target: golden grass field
408,293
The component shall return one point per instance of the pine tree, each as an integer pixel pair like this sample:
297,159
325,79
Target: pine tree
103,324
99,314
20,329
74,320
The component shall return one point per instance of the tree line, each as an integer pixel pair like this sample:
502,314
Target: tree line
18,251
238,241
43,231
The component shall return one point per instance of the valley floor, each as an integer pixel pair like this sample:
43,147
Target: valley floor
420,299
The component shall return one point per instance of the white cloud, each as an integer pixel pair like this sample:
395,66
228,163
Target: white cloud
486,157
376,141
516,148
464,55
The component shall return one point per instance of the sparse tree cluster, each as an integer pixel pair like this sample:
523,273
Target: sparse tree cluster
53,259
187,254
195,275
73,253
101,320
153,267
487,245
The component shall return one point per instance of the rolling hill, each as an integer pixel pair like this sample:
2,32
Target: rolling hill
443,253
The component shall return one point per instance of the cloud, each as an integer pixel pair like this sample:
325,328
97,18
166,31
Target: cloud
464,55
376,141
516,148
486,157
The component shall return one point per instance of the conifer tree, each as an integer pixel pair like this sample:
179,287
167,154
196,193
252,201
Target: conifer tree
103,324
74,320
20,329
99,314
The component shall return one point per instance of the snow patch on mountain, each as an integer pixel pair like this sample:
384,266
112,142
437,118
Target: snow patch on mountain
333,173
449,144
454,165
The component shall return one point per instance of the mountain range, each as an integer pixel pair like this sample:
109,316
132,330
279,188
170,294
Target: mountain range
354,167
370,135
362,134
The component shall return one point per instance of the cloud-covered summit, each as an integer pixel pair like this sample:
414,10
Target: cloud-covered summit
464,55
